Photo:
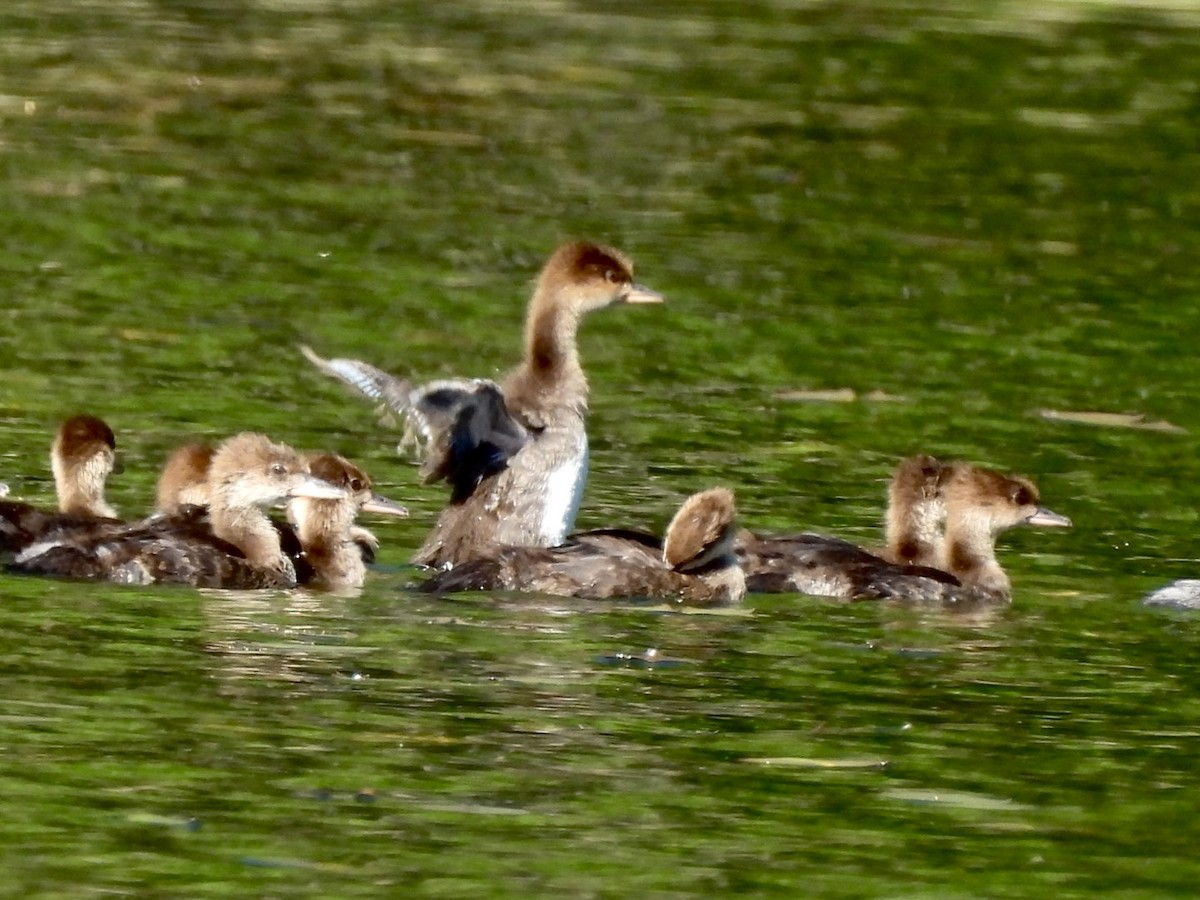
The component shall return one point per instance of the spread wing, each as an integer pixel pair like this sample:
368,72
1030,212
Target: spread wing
465,426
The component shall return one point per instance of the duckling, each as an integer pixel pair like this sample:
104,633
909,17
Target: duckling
333,554
980,505
237,547
694,564
959,568
515,453
82,456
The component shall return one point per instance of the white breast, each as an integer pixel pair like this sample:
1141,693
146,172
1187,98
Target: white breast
564,490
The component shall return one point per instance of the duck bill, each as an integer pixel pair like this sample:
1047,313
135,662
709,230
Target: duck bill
384,507
1047,518
638,293
314,488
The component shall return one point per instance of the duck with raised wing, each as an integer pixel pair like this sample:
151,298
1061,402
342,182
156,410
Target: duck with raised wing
693,564
234,546
515,453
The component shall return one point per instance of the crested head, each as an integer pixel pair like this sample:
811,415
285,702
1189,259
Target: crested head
584,276
1003,501
83,455
702,530
341,473
249,469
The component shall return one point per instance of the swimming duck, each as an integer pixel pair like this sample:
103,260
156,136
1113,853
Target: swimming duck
82,456
516,453
234,546
957,568
333,553
693,564
980,505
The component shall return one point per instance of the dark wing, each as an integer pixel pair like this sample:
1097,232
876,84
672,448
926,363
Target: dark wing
826,566
465,425
469,432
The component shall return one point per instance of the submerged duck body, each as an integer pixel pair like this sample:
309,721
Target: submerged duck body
943,521
234,546
82,456
515,453
693,563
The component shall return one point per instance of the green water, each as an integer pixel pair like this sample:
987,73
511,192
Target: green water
964,213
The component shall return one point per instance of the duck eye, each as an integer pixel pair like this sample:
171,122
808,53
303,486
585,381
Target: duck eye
278,469
612,276
1022,497
356,484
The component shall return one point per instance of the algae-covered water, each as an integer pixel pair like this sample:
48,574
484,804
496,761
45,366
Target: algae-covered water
881,228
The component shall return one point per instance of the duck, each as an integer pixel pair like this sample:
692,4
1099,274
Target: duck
922,564
332,553
693,564
184,483
981,504
83,455
515,453
232,545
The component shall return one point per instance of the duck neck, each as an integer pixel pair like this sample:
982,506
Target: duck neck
914,534
81,491
248,529
971,553
551,367
323,527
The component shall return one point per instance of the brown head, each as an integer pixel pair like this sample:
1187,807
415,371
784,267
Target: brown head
578,277
700,539
249,470
341,473
995,500
83,455
916,511
589,276
702,530
184,478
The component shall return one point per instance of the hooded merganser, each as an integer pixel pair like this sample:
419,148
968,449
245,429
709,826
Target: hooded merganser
515,454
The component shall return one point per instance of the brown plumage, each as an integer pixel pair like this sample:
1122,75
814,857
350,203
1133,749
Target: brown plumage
515,454
694,563
980,505
332,556
82,456
957,568
235,547
184,478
